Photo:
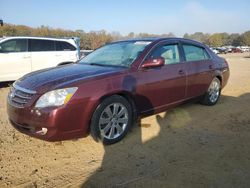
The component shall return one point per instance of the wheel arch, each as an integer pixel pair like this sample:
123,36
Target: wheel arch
128,96
219,76
125,95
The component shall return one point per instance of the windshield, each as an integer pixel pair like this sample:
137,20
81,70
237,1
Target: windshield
116,54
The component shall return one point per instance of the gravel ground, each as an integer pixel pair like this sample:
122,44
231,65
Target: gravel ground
189,146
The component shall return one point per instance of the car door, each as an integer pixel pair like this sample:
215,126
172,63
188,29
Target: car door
164,85
43,53
199,67
15,60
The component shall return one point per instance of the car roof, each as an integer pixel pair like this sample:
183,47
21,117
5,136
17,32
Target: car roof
38,37
71,40
159,39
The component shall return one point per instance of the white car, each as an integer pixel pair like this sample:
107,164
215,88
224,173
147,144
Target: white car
21,55
245,48
214,50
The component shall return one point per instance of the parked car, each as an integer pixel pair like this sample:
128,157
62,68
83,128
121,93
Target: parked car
28,54
222,50
236,50
113,86
214,50
244,48
228,48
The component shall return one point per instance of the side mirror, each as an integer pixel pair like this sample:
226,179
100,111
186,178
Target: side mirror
151,63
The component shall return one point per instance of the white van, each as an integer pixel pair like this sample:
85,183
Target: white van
21,55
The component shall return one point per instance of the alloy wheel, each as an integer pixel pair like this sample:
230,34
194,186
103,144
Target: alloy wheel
113,121
214,91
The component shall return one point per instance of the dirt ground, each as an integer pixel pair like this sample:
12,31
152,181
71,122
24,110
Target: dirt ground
189,146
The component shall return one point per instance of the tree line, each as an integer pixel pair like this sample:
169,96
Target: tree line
95,39
221,39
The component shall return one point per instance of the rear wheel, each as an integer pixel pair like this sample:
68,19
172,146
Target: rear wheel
213,93
111,120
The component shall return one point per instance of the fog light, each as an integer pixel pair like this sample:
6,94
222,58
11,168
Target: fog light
43,131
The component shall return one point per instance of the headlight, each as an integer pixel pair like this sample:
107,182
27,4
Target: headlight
56,97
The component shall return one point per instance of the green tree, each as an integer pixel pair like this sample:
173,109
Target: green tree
198,36
215,40
95,39
225,38
232,39
246,38
186,36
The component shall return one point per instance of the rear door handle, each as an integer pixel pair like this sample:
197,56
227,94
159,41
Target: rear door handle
181,72
211,66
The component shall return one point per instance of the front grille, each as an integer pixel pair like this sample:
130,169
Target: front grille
19,96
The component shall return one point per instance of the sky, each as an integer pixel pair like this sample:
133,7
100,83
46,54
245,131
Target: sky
124,16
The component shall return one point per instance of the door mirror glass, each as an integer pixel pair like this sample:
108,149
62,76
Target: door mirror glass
155,62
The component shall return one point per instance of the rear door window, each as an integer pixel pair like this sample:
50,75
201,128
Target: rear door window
195,53
64,46
37,45
14,45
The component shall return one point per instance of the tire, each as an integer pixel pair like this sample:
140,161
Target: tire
213,93
111,120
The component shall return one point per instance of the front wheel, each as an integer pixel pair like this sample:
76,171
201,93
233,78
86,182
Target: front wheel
213,93
111,120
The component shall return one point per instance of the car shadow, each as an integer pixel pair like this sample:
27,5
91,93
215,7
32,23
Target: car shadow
196,146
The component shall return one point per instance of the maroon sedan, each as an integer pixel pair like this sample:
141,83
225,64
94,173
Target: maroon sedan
106,91
236,50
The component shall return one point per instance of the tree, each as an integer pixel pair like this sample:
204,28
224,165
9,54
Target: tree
232,39
215,40
246,38
116,35
95,39
186,36
225,38
131,35
198,36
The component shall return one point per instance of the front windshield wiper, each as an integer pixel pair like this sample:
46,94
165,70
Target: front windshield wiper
98,64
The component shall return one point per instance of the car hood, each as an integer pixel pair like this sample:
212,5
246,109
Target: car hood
47,79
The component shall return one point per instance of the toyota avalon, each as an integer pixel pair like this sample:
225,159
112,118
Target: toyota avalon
109,89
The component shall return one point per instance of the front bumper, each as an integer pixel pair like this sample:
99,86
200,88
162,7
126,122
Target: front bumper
61,123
